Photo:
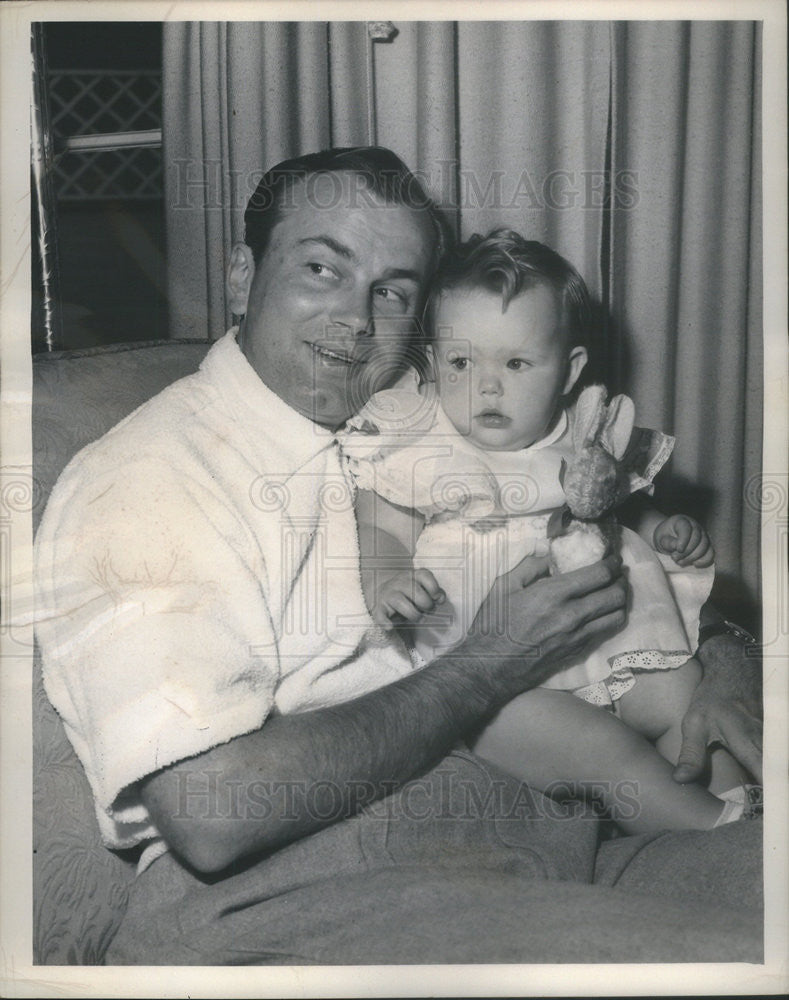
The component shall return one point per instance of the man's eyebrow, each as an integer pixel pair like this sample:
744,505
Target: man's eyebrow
404,272
339,248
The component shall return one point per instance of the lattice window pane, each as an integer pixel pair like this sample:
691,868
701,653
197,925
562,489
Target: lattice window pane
123,173
83,103
106,101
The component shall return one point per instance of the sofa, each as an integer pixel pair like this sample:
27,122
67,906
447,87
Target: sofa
79,887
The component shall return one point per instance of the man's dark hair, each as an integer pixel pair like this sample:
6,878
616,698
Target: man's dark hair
504,262
383,174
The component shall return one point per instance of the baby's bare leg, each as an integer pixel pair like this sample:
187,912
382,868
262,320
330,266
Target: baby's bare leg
555,741
655,707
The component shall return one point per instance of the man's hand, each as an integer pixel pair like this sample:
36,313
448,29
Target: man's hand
407,596
726,709
387,736
530,624
685,541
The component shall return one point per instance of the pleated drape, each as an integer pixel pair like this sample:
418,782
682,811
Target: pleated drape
685,266
238,98
416,104
348,58
630,147
534,104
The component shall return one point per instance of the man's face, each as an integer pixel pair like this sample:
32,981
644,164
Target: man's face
501,375
332,302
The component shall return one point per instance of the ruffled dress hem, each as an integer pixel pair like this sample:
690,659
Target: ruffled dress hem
624,670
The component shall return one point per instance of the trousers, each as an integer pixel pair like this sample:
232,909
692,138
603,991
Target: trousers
462,865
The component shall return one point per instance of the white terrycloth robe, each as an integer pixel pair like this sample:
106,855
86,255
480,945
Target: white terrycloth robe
198,569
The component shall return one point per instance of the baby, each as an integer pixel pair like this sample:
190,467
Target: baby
461,479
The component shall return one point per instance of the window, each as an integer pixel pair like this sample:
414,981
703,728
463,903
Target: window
103,90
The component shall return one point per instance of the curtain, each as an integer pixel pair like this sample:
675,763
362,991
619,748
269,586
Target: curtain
630,147
685,288
238,98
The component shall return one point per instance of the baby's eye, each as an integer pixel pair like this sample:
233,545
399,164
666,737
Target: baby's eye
515,364
459,364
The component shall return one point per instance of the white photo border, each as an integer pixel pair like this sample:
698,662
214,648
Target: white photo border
19,977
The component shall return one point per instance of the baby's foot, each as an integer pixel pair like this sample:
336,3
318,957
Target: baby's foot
741,802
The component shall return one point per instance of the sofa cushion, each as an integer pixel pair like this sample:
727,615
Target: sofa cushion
79,887
80,395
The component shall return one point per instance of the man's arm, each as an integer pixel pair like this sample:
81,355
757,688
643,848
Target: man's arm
301,772
726,707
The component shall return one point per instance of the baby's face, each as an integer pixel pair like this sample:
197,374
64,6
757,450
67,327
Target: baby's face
501,375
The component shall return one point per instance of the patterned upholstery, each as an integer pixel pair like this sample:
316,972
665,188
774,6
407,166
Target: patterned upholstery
79,887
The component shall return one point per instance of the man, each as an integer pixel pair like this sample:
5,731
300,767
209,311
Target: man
299,792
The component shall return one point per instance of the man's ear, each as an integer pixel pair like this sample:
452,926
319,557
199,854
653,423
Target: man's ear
431,363
575,365
240,273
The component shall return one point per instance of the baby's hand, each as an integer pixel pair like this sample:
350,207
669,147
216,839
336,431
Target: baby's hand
685,541
408,595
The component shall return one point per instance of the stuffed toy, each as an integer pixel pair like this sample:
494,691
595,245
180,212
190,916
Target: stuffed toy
609,463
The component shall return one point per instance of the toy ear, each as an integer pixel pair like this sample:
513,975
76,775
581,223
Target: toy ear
589,414
618,425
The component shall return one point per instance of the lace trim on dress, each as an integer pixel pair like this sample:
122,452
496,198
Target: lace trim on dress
624,671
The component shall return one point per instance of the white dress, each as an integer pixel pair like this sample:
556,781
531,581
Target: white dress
485,511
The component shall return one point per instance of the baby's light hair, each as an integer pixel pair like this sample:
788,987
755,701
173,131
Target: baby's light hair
504,262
